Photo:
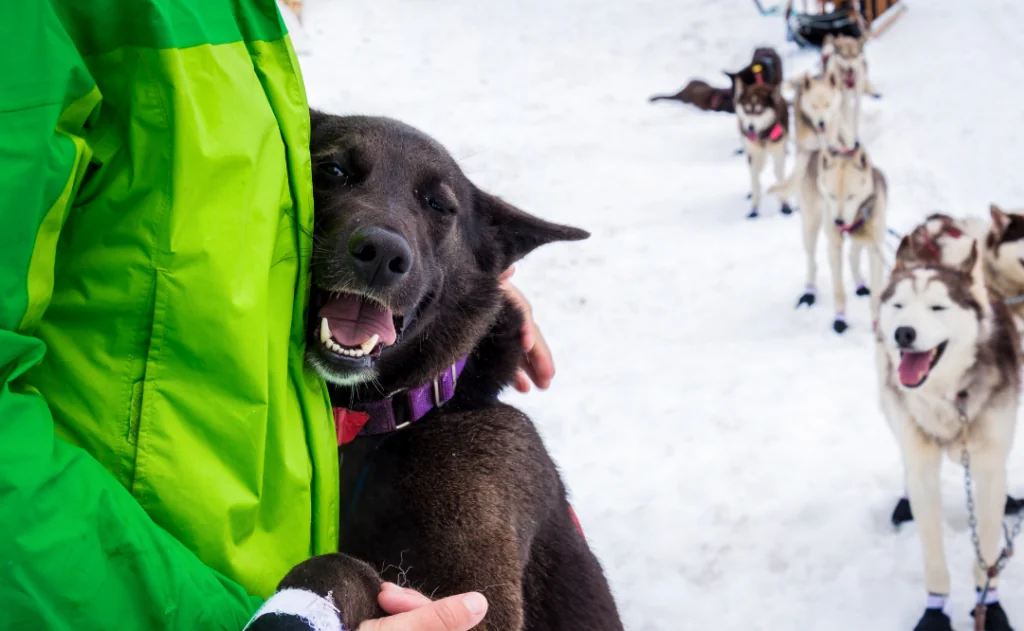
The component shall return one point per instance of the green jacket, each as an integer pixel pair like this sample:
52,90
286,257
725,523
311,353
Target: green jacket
165,457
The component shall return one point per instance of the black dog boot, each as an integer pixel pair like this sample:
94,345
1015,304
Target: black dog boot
839,325
786,209
995,616
933,620
753,213
807,298
862,290
902,514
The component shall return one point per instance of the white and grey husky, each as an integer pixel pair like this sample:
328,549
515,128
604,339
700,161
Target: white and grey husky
948,361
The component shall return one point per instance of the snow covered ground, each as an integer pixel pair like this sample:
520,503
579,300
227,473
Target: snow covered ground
725,452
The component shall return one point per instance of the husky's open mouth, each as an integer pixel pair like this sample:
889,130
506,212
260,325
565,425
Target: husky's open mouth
915,366
351,330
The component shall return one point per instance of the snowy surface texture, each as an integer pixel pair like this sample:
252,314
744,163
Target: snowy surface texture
725,452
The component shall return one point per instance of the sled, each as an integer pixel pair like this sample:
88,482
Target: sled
809,30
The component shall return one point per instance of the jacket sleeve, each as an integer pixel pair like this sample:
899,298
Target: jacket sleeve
76,550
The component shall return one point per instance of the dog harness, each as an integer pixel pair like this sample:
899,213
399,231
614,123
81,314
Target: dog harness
773,133
863,214
398,410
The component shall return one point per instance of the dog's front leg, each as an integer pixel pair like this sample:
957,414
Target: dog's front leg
989,472
877,265
810,213
779,162
856,248
923,460
755,159
835,260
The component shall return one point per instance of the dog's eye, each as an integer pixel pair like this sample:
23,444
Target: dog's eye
436,205
332,169
938,308
833,196
849,197
897,305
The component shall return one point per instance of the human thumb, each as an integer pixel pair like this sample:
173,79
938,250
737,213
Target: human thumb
457,613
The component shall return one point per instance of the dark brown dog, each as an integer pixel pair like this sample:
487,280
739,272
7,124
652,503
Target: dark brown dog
765,67
407,255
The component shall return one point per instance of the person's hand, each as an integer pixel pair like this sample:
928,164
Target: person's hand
537,365
412,611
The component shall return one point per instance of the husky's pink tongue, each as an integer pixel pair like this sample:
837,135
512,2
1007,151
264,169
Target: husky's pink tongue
354,320
914,367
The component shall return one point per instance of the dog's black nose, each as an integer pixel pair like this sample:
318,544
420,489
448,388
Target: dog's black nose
905,336
380,257
821,125
839,222
750,128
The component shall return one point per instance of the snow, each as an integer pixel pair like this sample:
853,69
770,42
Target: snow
725,452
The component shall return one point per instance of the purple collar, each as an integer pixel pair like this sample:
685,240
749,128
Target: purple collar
398,410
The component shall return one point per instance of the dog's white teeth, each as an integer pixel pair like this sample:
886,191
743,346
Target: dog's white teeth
368,346
325,331
333,346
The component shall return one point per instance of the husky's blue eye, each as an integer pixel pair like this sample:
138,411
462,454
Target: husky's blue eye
333,169
938,308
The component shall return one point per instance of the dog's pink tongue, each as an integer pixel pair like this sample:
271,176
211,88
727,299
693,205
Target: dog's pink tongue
354,320
914,367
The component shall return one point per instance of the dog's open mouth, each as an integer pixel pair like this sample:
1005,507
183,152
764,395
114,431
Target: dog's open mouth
915,366
352,329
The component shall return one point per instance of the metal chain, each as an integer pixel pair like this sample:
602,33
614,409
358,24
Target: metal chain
972,519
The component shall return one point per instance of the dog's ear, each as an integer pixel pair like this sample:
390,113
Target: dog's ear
904,254
517,233
968,265
1000,220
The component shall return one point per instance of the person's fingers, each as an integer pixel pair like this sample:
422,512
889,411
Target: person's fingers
522,381
457,613
507,274
394,599
539,364
521,303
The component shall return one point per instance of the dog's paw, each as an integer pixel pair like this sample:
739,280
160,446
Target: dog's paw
863,290
902,513
806,299
739,152
877,96
839,325
1013,505
786,209
934,620
753,213
995,618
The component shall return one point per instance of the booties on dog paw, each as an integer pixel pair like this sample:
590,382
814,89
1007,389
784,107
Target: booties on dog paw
862,290
933,620
807,298
995,618
902,513
753,213
839,325
786,209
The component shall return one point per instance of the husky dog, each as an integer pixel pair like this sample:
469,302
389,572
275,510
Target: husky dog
949,378
849,194
445,487
845,56
818,122
763,117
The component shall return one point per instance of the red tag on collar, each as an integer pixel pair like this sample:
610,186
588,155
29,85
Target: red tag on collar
953,232
576,521
348,424
776,132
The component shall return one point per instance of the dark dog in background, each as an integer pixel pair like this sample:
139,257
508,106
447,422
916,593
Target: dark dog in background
765,67
444,488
